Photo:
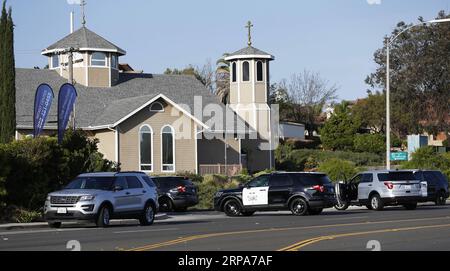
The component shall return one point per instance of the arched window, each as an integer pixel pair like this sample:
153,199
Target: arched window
98,59
245,71
259,71
168,149
233,72
156,107
146,148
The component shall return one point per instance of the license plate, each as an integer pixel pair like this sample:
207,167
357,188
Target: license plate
407,187
62,211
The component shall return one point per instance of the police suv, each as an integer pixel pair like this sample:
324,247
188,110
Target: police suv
300,192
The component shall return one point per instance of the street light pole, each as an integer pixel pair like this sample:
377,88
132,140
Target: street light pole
388,90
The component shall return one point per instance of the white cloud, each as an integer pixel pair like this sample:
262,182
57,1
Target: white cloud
73,2
370,2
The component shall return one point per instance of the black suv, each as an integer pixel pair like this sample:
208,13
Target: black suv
301,193
437,185
175,193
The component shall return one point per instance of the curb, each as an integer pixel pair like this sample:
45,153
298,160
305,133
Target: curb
37,225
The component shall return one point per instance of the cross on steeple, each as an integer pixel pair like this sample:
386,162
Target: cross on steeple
249,26
82,5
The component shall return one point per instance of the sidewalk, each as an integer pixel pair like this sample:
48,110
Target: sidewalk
18,226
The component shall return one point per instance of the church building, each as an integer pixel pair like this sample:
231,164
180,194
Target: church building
159,124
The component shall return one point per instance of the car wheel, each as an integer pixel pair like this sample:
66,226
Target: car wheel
368,206
148,215
410,206
299,207
166,205
247,213
55,225
232,208
342,206
315,211
376,203
441,198
104,216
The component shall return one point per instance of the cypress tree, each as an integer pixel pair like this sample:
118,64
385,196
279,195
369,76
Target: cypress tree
9,81
3,22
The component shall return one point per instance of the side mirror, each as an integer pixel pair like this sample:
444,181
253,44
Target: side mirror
117,188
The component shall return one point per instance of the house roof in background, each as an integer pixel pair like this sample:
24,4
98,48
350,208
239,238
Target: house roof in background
105,107
84,40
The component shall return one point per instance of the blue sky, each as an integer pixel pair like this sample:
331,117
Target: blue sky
334,37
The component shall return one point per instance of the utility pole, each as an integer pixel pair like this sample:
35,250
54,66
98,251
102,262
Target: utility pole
70,64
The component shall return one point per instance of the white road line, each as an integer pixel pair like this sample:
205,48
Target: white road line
137,231
345,218
44,231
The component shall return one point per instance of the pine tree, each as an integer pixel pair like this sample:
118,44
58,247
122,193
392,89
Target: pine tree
9,81
7,77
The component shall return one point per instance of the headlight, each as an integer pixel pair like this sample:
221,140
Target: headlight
48,198
87,198
218,194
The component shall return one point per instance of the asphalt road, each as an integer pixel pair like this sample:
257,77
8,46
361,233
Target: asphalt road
427,228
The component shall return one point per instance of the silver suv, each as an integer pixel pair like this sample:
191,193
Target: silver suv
99,197
376,189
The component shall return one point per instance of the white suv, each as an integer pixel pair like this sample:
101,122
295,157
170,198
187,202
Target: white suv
100,197
376,189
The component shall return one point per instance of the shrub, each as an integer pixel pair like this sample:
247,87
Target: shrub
373,143
26,216
428,158
298,159
195,178
337,169
35,167
208,188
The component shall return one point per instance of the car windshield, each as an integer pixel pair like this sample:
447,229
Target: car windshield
396,176
95,183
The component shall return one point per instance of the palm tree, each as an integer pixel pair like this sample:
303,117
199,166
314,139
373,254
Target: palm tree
223,78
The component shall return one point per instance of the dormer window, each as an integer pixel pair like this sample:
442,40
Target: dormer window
98,59
156,107
55,61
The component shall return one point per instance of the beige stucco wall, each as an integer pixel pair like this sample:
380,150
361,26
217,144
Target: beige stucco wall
107,143
257,160
98,77
185,152
212,151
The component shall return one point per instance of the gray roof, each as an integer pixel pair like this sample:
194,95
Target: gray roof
106,106
84,38
249,50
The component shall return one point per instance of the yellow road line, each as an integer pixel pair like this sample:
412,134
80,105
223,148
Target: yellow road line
304,243
220,234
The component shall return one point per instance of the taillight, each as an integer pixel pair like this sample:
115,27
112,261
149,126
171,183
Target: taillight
319,188
181,189
389,185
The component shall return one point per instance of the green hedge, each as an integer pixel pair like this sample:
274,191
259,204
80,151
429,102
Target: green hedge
32,168
291,159
338,170
427,158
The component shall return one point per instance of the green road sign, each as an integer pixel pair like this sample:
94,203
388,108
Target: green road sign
399,156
